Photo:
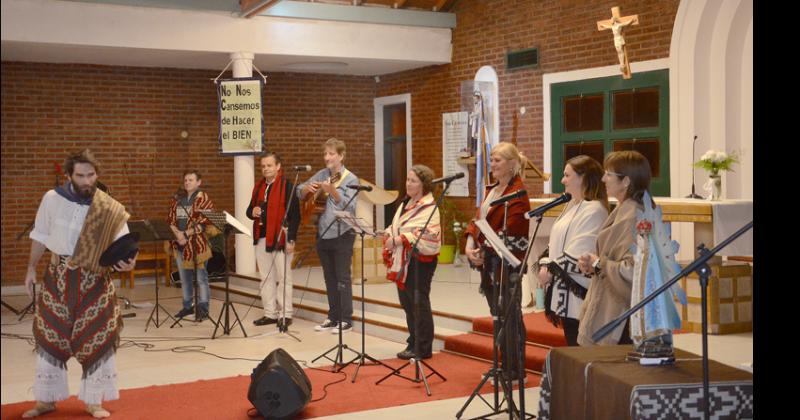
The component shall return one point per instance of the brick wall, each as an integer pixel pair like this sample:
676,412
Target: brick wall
565,31
132,117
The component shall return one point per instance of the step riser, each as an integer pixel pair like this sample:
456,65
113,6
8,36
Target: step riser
373,330
534,359
387,333
301,296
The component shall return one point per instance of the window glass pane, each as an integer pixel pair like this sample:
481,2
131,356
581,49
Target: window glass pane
648,147
583,113
593,149
635,108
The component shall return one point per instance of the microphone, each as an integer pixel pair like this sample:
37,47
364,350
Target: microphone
360,187
448,179
541,209
508,197
302,168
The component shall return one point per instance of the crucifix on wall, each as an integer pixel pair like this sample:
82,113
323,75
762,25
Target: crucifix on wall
616,23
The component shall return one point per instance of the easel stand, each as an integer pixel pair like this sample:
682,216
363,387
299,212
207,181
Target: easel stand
155,231
361,227
338,360
417,361
700,265
221,221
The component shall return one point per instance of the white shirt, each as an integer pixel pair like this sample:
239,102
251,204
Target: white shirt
574,233
59,223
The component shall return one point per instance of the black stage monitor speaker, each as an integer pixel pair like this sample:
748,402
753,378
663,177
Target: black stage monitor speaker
279,389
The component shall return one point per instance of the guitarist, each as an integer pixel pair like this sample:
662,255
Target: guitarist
334,239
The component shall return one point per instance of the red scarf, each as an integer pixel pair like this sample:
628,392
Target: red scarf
275,208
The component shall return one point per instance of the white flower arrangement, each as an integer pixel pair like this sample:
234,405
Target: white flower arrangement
715,161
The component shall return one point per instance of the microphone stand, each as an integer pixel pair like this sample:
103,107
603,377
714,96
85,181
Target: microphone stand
501,319
282,327
419,373
700,266
339,358
693,195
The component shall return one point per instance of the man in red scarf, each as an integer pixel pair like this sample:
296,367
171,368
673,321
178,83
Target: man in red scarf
274,244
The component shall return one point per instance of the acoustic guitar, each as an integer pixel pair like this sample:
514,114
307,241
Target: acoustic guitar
313,205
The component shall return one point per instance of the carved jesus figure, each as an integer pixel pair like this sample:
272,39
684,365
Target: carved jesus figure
616,23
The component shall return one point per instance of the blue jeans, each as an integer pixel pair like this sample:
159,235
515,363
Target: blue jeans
187,284
336,255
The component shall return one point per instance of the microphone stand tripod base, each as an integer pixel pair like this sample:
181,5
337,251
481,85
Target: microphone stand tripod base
281,329
419,376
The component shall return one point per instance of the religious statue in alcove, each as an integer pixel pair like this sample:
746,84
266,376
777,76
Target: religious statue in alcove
476,122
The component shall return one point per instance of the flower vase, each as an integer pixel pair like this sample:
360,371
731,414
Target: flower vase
716,187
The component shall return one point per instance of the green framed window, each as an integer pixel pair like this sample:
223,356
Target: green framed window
597,116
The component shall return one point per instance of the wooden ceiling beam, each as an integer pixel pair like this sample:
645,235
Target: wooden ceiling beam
439,5
250,8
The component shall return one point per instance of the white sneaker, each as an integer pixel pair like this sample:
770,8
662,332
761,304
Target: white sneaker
325,326
346,326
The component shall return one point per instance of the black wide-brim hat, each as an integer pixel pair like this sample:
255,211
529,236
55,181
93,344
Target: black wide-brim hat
122,249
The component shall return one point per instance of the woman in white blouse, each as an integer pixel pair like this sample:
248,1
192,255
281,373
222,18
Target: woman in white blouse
574,233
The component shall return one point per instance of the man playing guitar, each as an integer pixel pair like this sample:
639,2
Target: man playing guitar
334,239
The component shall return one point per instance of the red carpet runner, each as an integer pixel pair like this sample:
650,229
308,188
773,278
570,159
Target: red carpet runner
541,335
227,398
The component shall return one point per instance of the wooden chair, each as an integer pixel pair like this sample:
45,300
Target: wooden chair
164,263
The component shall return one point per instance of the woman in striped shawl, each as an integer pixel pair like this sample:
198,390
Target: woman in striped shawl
404,268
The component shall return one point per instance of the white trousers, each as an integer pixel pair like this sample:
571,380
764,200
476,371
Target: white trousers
50,383
270,268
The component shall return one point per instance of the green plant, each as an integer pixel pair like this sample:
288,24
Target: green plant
450,214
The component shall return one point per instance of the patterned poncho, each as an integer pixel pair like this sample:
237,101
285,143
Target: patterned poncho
408,223
198,244
76,312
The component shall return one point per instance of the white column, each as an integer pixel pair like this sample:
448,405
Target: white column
243,181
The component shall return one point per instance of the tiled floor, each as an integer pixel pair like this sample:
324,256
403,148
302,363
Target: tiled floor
454,290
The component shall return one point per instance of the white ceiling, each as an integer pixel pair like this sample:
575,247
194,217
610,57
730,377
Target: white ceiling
55,31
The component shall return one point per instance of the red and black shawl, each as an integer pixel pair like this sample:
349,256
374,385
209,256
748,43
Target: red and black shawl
276,206
516,224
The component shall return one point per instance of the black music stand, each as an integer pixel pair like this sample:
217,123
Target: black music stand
31,308
226,223
502,314
9,307
361,227
155,231
338,360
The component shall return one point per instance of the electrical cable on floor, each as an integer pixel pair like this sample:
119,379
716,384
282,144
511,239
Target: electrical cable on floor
325,387
303,294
